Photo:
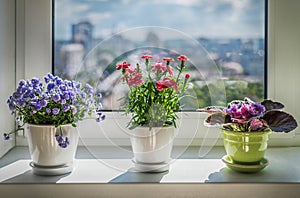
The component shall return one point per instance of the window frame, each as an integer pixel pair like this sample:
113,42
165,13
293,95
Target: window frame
38,31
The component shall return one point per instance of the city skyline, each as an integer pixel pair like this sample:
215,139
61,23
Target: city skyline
214,19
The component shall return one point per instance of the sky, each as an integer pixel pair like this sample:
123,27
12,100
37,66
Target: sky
196,18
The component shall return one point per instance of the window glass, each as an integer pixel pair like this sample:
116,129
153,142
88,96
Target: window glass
224,39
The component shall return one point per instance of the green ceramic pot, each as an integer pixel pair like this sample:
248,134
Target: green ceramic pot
245,147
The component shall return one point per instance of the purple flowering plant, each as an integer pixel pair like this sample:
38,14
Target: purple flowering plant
53,102
249,116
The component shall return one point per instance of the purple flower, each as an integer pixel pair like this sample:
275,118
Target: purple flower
74,109
59,139
89,88
245,111
48,110
78,85
38,107
43,103
66,108
55,111
56,97
257,109
83,95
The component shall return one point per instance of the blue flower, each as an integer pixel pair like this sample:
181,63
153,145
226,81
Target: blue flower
22,83
16,96
50,76
35,81
59,81
78,85
101,118
62,88
6,136
63,143
50,86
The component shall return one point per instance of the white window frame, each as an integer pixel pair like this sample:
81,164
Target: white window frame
34,41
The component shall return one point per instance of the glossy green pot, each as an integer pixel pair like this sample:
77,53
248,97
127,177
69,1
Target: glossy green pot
245,147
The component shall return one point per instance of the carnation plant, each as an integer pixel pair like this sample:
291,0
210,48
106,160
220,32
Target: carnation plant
249,116
154,94
53,102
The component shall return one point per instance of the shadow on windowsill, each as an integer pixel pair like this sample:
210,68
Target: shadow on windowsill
131,176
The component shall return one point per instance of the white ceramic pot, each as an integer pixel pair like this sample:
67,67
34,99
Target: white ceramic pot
44,148
152,146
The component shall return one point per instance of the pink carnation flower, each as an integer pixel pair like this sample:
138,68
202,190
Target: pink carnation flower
165,84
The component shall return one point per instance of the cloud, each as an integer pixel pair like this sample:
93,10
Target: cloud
97,17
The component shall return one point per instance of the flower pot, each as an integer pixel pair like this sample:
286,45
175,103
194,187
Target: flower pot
45,152
152,147
245,147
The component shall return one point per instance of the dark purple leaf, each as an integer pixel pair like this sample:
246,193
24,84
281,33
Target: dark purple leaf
270,105
217,119
279,121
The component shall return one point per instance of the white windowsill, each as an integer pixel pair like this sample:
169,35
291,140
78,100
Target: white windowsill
94,176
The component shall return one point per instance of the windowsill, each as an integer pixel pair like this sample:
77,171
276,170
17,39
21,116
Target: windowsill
188,176
117,167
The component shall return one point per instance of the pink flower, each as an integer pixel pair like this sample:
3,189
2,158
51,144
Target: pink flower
170,70
165,84
182,58
159,67
146,56
168,59
162,68
135,79
123,65
256,124
130,71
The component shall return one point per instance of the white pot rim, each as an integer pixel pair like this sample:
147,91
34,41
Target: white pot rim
46,125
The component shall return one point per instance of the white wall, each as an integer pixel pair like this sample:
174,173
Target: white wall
7,69
284,56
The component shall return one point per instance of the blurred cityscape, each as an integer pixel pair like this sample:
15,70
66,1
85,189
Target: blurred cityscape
239,63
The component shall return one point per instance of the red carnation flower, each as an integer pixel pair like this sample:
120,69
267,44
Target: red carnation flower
146,56
123,65
182,58
168,59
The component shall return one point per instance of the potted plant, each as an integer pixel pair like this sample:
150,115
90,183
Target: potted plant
245,127
49,112
153,101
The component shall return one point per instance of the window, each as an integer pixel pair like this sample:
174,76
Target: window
282,50
224,39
